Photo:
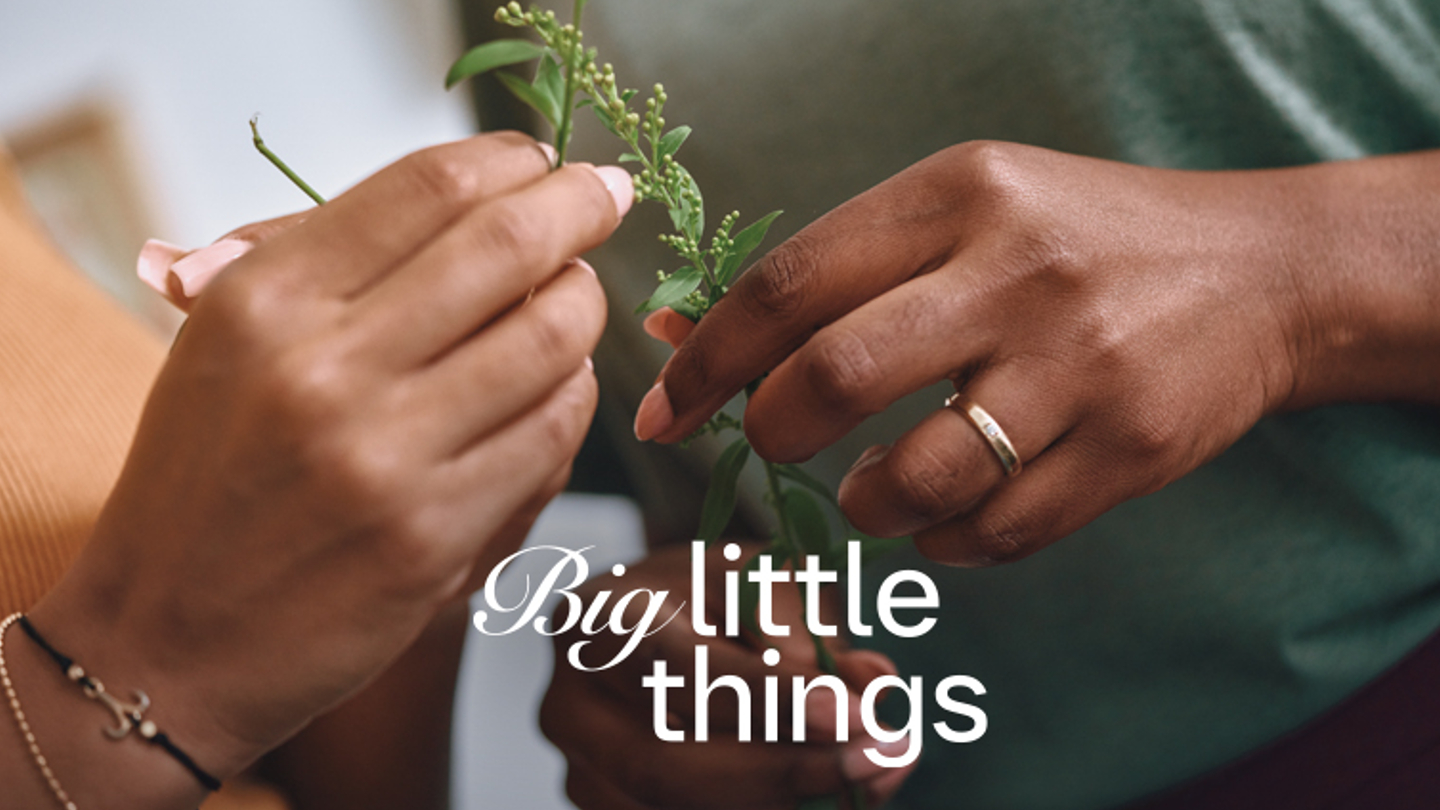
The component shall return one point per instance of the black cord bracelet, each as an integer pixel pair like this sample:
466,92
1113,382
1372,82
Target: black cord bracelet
128,716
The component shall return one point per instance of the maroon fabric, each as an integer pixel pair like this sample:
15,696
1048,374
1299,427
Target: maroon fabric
1378,750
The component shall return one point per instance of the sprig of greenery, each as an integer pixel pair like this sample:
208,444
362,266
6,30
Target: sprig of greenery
568,78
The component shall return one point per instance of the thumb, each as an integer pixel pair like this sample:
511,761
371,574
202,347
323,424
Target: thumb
181,275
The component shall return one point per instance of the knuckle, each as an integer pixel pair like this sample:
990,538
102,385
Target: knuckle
1151,435
778,284
510,229
843,371
923,482
557,333
442,175
691,368
999,539
991,168
369,472
562,425
243,306
308,387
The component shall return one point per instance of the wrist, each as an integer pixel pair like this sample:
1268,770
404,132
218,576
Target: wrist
106,642
65,730
1361,255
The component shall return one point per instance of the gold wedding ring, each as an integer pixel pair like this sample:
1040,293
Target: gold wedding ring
991,430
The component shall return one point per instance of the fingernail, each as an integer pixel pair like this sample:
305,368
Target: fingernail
858,767
590,363
550,154
196,270
621,187
655,415
584,265
154,263
655,324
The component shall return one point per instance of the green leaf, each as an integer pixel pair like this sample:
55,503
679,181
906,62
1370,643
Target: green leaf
749,596
720,498
798,475
689,218
670,144
807,521
627,95
491,55
745,243
692,311
629,157
528,94
550,83
673,290
606,119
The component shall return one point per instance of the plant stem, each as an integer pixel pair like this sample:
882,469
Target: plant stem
567,110
280,164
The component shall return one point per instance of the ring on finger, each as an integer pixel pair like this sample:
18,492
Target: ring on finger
990,430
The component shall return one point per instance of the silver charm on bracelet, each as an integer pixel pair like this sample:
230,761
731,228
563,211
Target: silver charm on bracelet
128,716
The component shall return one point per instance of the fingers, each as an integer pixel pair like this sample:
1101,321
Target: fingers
489,259
874,242
907,339
1056,495
944,465
489,481
411,199
516,362
363,234
668,325
512,535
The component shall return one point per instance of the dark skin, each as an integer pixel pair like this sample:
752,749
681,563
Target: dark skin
1123,324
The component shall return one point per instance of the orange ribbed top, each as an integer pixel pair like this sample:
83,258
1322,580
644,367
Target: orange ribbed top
74,373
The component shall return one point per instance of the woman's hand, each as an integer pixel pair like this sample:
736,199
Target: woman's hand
357,408
1122,324
604,721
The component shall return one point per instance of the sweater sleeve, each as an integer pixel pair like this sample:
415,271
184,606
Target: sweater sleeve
74,372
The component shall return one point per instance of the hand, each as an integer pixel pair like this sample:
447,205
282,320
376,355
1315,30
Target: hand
1122,324
603,721
358,407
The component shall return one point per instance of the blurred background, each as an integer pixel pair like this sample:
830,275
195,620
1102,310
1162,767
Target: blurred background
129,121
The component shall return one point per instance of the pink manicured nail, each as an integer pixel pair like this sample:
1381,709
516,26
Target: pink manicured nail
196,270
153,266
655,415
550,153
655,324
620,185
590,363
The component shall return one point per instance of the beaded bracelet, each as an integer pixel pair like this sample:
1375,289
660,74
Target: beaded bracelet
128,716
24,725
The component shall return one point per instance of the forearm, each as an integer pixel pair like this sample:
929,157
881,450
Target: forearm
1363,247
396,732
